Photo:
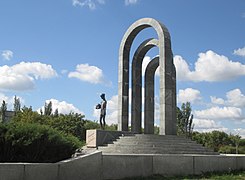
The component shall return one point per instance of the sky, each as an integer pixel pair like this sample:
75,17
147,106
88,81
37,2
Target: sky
66,51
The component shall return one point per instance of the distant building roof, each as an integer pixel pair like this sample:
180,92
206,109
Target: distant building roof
7,116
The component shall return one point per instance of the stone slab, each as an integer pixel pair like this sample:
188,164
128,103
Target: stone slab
12,171
41,171
172,165
96,166
96,137
84,167
121,166
240,162
91,136
214,163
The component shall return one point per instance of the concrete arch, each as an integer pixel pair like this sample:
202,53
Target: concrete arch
149,104
136,104
167,99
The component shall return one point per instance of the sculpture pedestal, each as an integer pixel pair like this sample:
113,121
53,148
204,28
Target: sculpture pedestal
97,137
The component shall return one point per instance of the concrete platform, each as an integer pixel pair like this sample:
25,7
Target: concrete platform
98,166
149,144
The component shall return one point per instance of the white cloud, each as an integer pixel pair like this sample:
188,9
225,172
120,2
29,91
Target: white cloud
9,100
145,62
7,55
182,69
62,106
240,51
206,125
233,98
22,76
5,98
189,95
130,2
87,73
91,4
216,100
240,132
209,67
218,113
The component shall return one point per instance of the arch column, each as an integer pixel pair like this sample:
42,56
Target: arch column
150,95
136,105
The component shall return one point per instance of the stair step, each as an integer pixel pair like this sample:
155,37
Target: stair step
155,144
154,148
159,152
154,141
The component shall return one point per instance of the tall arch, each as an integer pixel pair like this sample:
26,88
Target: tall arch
136,104
167,98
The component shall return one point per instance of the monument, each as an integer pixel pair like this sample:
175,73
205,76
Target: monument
167,80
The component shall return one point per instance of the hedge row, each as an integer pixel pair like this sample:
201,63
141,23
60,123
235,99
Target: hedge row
25,142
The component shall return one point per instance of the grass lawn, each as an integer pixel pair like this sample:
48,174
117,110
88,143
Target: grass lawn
237,175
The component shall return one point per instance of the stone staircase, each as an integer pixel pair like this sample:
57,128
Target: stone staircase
154,144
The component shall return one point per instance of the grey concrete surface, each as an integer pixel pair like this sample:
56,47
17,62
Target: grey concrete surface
136,102
240,162
149,105
41,171
97,137
214,163
172,164
12,171
82,168
120,166
155,144
97,166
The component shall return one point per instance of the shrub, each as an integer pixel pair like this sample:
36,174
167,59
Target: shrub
227,149
25,142
66,123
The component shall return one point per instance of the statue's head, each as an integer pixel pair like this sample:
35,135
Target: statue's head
102,96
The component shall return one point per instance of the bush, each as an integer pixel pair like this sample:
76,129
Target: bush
227,150
25,142
232,150
70,124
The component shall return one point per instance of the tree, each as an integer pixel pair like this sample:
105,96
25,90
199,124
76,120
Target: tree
17,104
217,139
3,110
185,120
235,139
56,113
72,123
26,115
48,108
41,111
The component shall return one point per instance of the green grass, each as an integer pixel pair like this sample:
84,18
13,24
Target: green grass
236,175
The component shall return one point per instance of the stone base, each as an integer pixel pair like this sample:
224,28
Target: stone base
117,166
97,137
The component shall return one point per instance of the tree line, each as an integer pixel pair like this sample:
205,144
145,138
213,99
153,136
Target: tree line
76,125
217,140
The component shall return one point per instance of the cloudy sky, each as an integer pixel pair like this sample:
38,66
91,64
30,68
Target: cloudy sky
67,52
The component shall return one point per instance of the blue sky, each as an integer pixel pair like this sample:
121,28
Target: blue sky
67,51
